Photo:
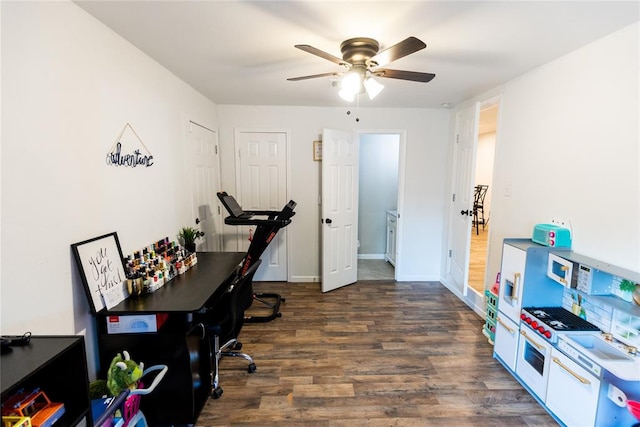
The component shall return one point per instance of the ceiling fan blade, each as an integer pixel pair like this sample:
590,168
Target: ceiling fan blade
397,51
322,54
313,76
414,76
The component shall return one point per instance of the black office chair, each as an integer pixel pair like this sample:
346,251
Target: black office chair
223,319
478,207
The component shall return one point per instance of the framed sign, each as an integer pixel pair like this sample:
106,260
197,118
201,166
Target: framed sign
317,151
99,261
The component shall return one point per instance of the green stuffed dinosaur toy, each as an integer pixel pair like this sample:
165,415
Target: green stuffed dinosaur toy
123,373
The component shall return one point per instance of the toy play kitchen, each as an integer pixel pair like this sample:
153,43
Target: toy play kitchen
567,331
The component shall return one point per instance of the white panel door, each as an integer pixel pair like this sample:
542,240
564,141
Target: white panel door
263,186
462,197
339,209
205,182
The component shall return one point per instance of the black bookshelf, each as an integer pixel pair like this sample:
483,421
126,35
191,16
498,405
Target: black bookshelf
56,365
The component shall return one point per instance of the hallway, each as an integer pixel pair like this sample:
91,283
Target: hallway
478,259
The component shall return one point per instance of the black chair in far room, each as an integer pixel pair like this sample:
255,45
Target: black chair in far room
478,207
222,319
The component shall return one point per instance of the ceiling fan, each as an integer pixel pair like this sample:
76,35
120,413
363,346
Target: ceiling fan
362,61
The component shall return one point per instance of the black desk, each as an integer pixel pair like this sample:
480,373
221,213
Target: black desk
179,343
188,292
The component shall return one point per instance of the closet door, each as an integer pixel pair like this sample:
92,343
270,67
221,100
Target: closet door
204,166
262,185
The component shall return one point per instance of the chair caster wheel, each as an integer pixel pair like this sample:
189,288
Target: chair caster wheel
279,315
282,299
216,393
237,346
252,368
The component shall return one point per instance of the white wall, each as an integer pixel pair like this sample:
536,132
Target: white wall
426,147
568,146
69,85
379,156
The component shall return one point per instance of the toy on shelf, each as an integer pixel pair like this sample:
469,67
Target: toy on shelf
16,422
34,405
495,289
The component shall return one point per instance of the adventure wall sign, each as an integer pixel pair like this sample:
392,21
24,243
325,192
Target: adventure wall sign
128,154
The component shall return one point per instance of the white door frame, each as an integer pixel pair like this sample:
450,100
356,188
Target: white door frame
287,132
401,191
472,299
402,135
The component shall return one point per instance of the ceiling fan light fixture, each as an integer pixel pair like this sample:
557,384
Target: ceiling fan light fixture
352,82
347,95
373,87
350,86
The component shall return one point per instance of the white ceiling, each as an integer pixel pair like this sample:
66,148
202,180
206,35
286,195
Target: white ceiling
241,52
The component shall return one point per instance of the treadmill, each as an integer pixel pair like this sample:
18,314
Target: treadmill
267,224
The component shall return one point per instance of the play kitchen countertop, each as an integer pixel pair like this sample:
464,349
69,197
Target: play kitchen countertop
611,355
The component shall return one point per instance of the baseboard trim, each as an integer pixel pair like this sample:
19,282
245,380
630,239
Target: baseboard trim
370,256
413,278
305,279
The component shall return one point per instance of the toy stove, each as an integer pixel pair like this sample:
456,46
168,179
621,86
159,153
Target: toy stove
549,322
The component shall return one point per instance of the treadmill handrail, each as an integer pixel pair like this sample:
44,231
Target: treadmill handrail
285,213
267,213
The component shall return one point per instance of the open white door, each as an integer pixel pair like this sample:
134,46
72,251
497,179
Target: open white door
339,208
462,197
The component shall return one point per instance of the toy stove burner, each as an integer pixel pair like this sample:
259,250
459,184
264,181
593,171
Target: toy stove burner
551,321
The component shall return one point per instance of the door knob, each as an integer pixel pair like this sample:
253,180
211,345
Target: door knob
197,221
467,212
328,221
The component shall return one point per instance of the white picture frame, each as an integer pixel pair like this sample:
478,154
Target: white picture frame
101,268
317,151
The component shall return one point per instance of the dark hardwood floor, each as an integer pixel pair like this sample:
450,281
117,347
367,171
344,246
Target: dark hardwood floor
375,353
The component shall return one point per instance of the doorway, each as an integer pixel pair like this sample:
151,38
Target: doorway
485,154
379,162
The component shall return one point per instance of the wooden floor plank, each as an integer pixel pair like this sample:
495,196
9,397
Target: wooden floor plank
375,353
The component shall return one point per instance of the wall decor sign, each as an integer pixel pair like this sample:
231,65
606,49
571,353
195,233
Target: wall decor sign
317,151
99,261
118,156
